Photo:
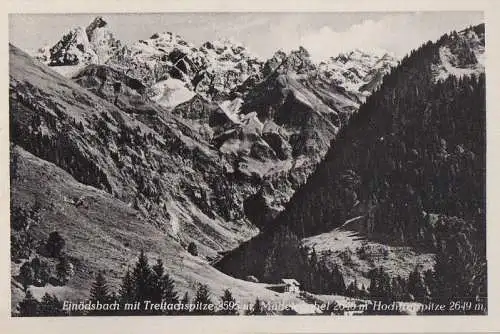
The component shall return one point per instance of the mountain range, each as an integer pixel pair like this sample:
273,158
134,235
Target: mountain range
268,121
160,144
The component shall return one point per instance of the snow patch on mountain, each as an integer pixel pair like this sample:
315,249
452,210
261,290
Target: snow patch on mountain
162,56
171,92
232,108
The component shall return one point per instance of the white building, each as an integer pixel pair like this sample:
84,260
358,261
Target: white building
291,285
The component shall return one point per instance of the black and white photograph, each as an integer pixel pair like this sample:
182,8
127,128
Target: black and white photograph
247,164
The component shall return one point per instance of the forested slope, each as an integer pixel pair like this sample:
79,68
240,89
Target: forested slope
411,164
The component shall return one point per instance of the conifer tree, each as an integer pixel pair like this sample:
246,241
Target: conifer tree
257,308
36,266
55,244
430,282
168,289
416,286
163,288
41,271
192,249
338,283
203,298
353,290
26,275
63,270
380,285
397,289
363,292
143,278
51,306
29,306
228,303
157,285
44,273
314,257
185,303
99,292
127,289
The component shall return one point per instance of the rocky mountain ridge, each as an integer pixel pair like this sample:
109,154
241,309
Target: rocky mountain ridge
215,69
271,122
94,44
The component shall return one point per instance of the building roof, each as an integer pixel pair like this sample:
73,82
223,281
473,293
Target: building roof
290,281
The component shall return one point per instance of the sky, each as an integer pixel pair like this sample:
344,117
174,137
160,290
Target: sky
323,34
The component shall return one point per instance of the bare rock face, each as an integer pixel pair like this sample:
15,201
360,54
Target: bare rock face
272,64
73,49
94,44
97,23
114,86
213,70
229,64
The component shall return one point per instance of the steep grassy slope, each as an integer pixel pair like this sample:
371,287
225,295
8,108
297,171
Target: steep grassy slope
107,234
151,160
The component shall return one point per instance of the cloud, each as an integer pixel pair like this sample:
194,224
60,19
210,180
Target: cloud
397,33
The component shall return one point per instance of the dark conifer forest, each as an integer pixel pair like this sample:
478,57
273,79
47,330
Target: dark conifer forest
415,147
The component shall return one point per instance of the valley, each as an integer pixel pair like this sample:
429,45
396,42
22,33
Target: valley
237,172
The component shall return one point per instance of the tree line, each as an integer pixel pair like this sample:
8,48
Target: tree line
144,283
271,257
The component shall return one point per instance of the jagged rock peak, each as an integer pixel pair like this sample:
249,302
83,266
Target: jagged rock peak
169,37
81,46
98,22
357,71
359,55
297,61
